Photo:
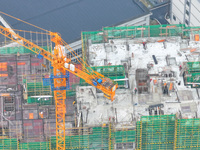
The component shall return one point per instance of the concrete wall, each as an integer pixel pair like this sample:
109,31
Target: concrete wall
186,12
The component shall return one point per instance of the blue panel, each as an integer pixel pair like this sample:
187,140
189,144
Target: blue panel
94,82
51,67
99,81
46,81
52,77
39,56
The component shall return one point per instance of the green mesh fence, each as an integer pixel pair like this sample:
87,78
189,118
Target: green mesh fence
112,72
163,132
37,88
95,138
8,144
34,146
156,132
20,49
125,136
188,134
40,100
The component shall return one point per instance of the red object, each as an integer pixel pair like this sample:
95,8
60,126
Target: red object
35,64
180,67
21,63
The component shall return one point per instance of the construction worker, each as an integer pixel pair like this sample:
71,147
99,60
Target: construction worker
144,45
135,90
180,67
74,102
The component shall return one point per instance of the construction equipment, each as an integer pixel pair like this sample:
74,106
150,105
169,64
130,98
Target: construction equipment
62,65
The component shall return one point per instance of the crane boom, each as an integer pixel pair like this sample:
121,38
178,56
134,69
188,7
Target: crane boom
61,64
106,85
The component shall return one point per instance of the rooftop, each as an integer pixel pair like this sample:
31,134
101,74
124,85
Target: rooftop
71,17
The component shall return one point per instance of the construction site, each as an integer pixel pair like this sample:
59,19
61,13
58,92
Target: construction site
135,87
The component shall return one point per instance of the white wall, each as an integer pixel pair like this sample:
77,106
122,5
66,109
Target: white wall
178,9
195,13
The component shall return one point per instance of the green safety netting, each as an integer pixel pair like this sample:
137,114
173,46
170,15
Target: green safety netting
187,134
20,49
8,144
156,132
98,139
130,32
152,133
112,72
40,100
34,146
37,88
125,136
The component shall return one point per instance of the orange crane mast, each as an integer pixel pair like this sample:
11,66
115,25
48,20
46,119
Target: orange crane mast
61,64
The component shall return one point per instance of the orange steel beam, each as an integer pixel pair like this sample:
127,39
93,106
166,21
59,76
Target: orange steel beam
60,97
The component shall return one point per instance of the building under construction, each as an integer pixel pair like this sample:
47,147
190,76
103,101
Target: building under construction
156,104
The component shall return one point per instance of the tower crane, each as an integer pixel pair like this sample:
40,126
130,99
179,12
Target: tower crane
61,64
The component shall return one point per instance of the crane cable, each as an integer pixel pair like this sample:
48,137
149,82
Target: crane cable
24,21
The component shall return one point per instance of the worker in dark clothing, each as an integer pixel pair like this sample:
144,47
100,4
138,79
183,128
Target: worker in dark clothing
180,67
135,90
144,45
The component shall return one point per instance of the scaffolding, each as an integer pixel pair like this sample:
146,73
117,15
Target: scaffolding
151,133
83,138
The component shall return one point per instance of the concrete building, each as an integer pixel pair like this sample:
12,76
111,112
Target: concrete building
185,12
70,18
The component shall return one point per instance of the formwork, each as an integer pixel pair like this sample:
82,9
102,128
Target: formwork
155,132
112,72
